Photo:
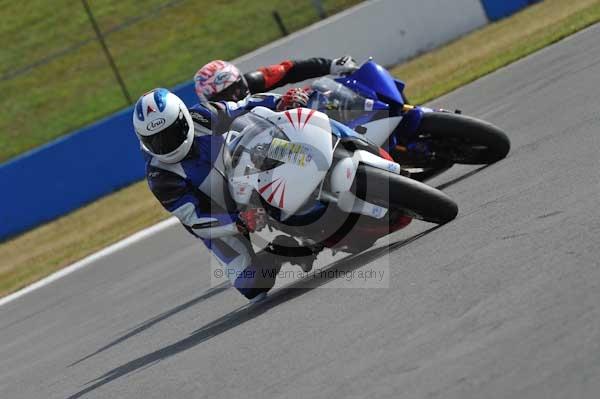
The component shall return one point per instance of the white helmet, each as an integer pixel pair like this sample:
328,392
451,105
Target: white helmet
220,81
164,125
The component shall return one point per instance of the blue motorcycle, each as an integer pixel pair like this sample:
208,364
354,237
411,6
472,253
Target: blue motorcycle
427,141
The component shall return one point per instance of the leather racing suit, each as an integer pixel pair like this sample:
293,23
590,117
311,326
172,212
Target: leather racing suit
196,192
286,72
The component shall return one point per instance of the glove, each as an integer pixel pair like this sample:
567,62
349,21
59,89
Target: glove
343,65
294,98
254,219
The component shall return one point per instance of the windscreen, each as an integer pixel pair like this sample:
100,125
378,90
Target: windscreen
253,144
338,101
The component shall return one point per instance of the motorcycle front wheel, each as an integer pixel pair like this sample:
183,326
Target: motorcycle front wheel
463,139
412,197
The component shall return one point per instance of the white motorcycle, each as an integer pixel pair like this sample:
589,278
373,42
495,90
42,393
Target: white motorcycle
319,182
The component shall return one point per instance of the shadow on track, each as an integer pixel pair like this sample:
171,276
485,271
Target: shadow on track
462,177
243,313
246,313
157,319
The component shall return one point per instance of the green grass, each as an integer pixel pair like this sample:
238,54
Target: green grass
46,249
171,41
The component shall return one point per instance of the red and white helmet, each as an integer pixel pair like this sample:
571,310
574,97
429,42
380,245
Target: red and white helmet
220,81
163,125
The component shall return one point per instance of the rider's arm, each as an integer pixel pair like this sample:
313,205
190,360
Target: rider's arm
196,211
215,117
286,72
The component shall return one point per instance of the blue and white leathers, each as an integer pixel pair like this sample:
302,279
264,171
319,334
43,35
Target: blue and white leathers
196,192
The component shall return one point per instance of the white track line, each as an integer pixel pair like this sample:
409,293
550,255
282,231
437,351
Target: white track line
140,235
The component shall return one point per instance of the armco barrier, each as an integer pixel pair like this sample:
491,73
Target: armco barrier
497,9
63,175
83,166
388,30
72,171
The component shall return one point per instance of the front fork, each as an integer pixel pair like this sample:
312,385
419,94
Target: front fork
411,120
402,138
413,151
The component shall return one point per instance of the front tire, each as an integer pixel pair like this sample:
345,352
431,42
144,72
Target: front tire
463,139
412,197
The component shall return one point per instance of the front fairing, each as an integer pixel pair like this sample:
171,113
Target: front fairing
374,81
281,159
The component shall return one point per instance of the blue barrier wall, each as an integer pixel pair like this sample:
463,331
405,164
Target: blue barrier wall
72,171
497,9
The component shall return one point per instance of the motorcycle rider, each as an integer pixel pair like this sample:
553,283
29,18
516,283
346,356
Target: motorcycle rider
220,80
181,148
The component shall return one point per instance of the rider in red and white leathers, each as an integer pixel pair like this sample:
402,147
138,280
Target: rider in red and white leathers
222,81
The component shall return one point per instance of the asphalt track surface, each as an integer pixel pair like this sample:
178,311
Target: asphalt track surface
503,302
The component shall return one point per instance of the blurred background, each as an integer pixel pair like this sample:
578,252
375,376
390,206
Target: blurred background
58,76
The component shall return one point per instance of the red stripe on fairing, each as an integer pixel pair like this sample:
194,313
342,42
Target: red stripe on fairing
400,223
312,111
273,193
384,154
299,111
264,188
287,113
281,199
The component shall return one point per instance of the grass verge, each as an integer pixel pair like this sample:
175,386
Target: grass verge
59,79
48,248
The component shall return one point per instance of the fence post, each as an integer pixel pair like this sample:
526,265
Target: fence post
107,52
279,21
320,9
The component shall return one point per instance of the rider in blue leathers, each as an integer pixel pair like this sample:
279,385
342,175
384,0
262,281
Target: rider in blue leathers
182,149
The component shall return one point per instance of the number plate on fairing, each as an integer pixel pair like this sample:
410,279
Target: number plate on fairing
285,151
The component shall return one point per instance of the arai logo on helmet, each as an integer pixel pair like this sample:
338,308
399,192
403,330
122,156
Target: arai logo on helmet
156,124
222,77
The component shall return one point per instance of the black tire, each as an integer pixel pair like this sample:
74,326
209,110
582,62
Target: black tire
464,139
414,198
